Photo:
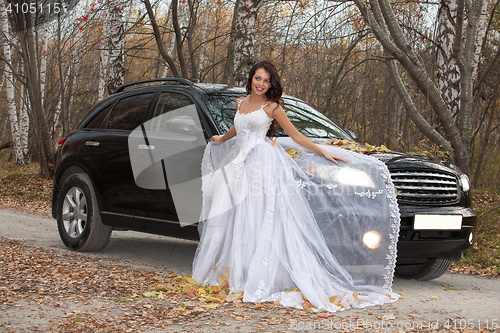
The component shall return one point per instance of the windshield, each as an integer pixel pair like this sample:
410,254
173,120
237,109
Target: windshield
304,117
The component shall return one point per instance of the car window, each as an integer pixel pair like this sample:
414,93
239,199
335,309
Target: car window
222,109
129,112
97,120
169,102
304,117
310,121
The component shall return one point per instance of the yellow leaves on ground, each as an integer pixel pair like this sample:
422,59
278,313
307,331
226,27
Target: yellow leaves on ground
191,280
223,283
308,306
214,289
354,146
335,300
213,296
154,294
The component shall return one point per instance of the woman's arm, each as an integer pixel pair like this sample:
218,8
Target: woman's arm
229,134
282,119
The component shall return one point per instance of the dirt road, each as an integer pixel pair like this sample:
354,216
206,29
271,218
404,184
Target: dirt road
454,301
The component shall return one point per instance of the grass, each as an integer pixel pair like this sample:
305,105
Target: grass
23,188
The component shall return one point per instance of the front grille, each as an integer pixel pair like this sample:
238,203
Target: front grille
425,187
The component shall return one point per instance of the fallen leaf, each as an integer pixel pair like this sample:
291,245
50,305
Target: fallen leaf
214,289
325,315
389,316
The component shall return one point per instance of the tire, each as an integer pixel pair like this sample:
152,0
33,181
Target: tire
431,269
78,216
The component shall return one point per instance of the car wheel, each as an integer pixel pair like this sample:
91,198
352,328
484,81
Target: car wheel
431,269
78,219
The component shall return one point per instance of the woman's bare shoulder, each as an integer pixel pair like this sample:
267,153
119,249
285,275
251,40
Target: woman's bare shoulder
274,107
238,101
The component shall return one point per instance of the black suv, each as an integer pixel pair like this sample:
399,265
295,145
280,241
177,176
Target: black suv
96,188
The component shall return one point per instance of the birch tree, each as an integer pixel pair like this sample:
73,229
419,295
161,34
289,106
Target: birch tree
19,126
116,45
245,17
25,31
386,28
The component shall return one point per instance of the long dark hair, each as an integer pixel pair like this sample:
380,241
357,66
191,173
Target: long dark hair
274,92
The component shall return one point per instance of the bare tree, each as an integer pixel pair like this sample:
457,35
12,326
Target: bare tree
159,40
386,28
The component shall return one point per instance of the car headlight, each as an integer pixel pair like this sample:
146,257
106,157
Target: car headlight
464,182
347,176
371,239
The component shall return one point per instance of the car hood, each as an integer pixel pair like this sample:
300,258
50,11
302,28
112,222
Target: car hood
399,161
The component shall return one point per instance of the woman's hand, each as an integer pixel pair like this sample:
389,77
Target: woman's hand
216,139
333,157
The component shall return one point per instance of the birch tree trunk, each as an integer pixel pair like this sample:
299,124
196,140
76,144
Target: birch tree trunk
245,30
24,124
116,45
204,32
228,75
19,144
29,56
43,60
447,71
103,71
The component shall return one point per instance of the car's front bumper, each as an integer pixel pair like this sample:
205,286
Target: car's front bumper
414,246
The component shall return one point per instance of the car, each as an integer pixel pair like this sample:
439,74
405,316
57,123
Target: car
99,183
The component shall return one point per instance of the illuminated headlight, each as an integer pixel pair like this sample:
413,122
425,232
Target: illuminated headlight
345,176
471,237
371,239
464,182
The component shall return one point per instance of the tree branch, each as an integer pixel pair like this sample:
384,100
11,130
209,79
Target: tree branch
422,124
159,41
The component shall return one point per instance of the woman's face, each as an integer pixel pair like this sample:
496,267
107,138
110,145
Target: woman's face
261,81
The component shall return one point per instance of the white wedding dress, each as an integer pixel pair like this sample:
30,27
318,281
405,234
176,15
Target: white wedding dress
273,223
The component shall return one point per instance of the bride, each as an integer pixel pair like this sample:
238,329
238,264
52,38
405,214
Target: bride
308,223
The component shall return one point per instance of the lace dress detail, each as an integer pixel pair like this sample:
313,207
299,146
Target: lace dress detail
330,233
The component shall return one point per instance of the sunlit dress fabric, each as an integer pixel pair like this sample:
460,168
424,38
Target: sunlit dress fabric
294,229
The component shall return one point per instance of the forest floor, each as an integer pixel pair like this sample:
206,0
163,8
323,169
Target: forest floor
44,290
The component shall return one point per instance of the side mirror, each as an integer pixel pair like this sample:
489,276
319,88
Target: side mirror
181,125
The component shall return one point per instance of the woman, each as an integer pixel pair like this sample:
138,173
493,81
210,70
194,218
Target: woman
270,224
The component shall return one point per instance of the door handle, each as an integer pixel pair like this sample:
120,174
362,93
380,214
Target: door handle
92,143
146,147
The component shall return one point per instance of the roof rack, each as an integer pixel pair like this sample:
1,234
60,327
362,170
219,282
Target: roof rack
168,79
